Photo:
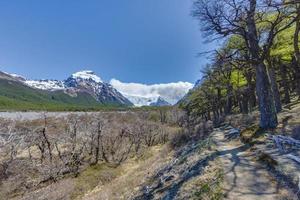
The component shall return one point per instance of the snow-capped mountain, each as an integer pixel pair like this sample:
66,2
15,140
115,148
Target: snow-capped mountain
147,101
86,75
83,81
140,100
160,102
78,77
89,82
145,94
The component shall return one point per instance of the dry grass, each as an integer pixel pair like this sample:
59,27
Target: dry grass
93,176
289,119
207,186
242,121
249,134
134,173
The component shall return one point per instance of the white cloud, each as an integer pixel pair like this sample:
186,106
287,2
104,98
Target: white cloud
171,92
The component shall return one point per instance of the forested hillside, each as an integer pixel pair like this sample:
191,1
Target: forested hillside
17,96
258,63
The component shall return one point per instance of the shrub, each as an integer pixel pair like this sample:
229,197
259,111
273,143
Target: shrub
180,138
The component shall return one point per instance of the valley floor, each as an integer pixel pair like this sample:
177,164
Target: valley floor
219,167
216,168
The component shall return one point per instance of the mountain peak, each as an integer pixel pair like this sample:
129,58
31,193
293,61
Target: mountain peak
160,102
87,75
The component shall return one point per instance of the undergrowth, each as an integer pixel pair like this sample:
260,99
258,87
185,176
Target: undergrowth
211,187
93,176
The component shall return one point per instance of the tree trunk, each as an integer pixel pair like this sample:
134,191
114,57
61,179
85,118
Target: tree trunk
252,100
268,115
228,107
251,89
239,98
208,115
219,103
245,101
296,76
297,51
285,84
97,150
274,86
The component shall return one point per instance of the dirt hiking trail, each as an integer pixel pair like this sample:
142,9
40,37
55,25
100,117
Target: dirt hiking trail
244,177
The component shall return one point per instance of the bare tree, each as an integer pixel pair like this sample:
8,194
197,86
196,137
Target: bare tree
98,141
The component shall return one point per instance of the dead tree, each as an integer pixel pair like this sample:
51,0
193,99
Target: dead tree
98,142
150,137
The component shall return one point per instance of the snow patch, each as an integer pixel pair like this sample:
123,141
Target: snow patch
51,85
141,94
139,101
18,76
15,75
87,75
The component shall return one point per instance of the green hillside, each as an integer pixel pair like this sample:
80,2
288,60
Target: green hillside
16,96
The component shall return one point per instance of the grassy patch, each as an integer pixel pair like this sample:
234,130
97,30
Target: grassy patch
211,187
93,176
249,134
206,144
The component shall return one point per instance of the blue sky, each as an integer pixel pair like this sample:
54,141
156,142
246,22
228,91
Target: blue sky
145,41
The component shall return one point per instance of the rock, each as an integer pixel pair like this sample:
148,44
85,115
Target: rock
232,133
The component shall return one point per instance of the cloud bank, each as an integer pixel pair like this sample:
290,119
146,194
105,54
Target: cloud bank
171,92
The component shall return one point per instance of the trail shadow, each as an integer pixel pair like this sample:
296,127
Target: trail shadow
236,157
256,186
197,169
193,171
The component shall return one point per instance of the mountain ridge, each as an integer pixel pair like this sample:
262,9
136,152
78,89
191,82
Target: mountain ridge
88,82
16,94
82,81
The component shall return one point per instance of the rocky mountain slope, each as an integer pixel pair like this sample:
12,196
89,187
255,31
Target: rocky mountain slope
83,81
89,82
